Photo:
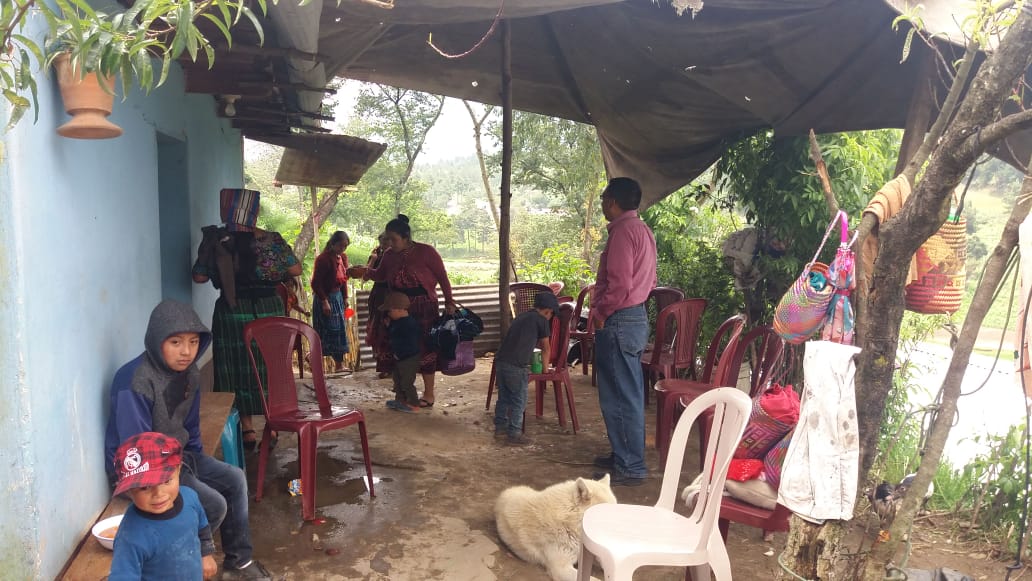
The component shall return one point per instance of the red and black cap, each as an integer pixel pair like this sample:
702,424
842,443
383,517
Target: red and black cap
146,459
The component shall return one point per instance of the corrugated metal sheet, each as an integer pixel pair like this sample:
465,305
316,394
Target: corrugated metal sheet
482,299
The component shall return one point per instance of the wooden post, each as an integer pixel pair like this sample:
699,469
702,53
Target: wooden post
505,194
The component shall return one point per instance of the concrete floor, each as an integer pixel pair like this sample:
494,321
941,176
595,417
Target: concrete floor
436,477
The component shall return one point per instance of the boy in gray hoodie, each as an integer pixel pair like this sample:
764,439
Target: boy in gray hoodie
158,392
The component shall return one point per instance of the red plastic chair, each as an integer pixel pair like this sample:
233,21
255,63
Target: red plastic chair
521,295
587,336
560,374
274,338
677,337
282,292
767,358
716,372
732,510
660,298
521,300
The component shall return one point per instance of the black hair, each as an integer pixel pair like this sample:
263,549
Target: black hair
336,238
400,226
625,192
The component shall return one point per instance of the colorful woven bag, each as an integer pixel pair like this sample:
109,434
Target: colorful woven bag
775,412
941,277
804,307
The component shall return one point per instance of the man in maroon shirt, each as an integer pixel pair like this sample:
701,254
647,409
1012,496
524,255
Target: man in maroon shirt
626,275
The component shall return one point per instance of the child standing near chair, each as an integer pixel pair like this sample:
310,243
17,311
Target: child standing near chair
403,333
511,363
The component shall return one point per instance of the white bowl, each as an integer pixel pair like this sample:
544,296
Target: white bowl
113,521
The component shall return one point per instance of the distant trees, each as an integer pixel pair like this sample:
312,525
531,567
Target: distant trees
561,158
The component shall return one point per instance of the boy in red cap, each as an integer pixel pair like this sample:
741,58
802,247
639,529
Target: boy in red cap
164,533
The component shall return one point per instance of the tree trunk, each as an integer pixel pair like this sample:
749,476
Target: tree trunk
884,553
973,129
810,549
484,175
314,221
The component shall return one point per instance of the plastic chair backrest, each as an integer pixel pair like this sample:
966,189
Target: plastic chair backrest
727,334
731,409
275,338
677,331
559,340
521,295
583,298
770,349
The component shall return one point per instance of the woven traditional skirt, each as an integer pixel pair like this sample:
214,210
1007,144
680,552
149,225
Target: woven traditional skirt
332,329
233,371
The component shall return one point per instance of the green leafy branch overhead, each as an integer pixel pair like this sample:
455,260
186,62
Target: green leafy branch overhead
124,44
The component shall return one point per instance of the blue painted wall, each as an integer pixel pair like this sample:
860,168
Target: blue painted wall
88,244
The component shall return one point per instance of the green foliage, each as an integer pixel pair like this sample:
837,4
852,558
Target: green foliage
688,238
533,232
401,118
562,159
775,182
900,435
560,263
124,44
17,53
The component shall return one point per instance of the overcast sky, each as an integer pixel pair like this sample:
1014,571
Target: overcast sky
451,137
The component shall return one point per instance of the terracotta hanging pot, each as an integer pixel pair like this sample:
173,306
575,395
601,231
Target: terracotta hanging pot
86,101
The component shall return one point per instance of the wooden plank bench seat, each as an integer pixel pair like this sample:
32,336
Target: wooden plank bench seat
92,562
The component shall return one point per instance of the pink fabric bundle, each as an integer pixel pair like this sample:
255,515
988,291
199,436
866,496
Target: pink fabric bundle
774,413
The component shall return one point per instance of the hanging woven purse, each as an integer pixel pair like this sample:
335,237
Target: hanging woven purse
941,276
804,307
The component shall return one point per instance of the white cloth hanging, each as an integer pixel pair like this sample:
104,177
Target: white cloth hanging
819,474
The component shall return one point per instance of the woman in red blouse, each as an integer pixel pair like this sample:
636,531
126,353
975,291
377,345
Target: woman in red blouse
330,290
415,269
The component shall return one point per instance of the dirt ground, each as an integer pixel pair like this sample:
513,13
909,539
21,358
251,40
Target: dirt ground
437,475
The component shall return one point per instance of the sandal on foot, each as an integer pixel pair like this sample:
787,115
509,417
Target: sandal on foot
249,445
425,404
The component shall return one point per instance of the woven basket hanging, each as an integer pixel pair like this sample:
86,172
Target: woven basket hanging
939,288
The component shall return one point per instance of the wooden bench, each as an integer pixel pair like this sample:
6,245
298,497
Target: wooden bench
92,562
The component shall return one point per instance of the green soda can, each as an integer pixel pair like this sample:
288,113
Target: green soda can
535,362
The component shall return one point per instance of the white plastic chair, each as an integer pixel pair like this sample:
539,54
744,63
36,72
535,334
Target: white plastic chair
626,536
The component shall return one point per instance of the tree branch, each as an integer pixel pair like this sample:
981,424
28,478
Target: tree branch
822,172
1000,130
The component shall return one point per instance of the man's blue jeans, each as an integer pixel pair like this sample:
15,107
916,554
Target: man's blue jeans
222,489
618,348
512,397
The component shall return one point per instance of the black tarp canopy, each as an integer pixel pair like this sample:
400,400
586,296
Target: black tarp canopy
666,91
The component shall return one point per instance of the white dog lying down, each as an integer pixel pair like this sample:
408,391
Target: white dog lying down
544,526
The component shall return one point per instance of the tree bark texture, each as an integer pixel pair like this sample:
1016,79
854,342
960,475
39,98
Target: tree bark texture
307,234
921,216
995,269
484,175
810,550
900,237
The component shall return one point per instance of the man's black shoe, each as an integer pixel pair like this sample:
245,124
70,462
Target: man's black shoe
604,461
616,479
